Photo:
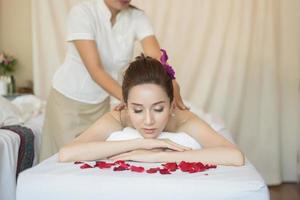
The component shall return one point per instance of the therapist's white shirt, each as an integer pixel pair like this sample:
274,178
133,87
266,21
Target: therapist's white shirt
91,21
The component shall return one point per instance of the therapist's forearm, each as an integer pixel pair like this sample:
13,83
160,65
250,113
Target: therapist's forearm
90,56
151,47
216,155
108,84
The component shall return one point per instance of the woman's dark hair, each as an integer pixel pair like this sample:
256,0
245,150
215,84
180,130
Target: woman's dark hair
134,7
146,70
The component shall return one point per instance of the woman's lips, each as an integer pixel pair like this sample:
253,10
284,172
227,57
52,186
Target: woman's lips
149,130
124,2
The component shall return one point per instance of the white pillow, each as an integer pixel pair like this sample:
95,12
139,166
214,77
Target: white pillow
181,138
9,113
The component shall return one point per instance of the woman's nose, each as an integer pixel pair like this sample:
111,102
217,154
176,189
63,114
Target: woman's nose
148,118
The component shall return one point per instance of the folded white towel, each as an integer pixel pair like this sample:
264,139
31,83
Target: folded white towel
29,105
129,133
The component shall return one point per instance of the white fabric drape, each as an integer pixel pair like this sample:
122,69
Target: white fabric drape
236,59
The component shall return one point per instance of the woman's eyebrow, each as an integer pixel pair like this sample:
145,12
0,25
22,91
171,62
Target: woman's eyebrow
138,104
159,102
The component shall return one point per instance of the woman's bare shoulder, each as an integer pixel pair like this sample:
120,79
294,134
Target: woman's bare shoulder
115,115
121,117
178,118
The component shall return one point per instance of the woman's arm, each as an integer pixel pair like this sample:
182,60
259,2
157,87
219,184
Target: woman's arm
89,54
216,148
207,155
151,47
91,144
215,155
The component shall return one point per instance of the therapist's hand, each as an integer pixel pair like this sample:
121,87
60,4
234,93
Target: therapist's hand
178,102
120,106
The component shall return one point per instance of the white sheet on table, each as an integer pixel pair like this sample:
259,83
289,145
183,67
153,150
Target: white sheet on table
9,148
52,180
59,181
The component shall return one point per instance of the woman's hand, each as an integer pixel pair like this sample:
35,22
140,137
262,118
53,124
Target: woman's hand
163,144
178,103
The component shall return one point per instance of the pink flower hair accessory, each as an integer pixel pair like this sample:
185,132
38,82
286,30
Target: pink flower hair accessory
168,68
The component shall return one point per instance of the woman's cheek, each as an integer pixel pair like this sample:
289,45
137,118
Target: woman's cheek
163,119
136,119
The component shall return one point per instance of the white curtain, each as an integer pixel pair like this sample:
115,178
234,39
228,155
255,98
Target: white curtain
237,59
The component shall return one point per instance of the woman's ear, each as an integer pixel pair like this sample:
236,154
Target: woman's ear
172,107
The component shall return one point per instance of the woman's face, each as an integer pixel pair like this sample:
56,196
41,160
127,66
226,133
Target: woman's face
117,5
149,109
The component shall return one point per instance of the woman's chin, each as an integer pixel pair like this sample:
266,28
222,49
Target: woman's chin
149,135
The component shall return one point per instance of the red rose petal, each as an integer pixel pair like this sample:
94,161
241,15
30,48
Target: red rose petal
152,170
171,166
125,165
208,166
103,165
119,168
184,166
85,166
190,167
122,165
164,171
193,167
119,162
137,169
198,167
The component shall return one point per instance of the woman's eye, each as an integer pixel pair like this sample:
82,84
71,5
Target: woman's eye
159,109
137,111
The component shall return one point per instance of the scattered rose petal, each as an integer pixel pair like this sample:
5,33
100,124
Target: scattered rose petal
137,169
171,166
153,170
164,171
119,162
208,166
120,168
168,168
124,165
197,167
184,166
85,166
192,167
103,165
